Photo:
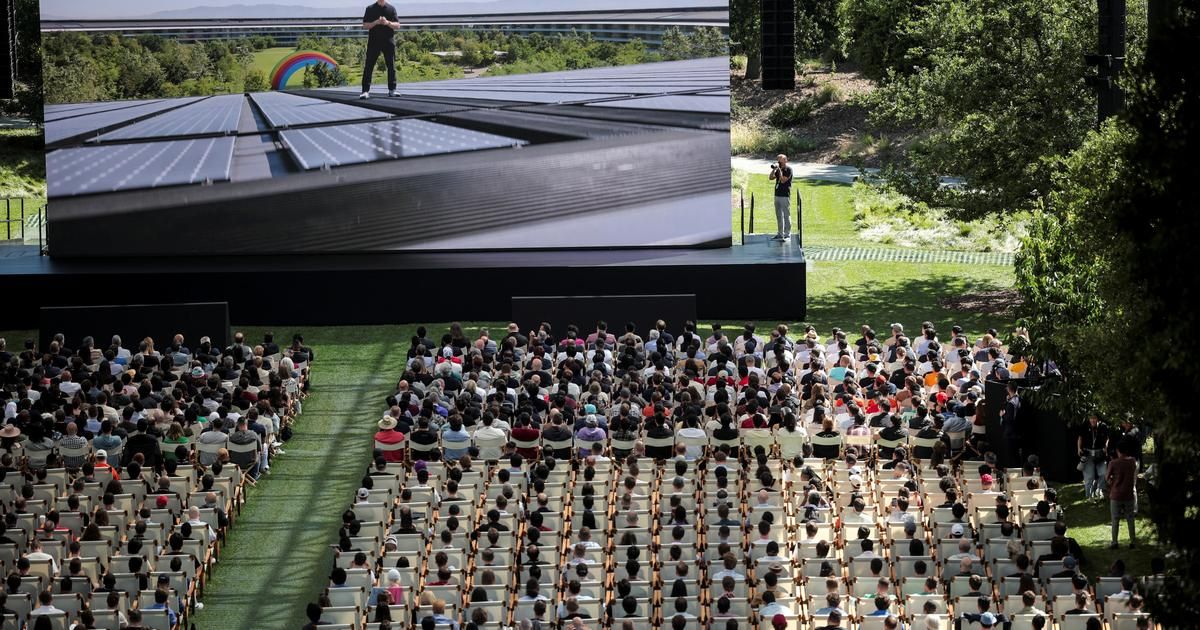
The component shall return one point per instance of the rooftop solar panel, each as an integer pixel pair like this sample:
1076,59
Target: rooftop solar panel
215,115
373,142
682,102
66,128
289,110
70,110
510,95
85,170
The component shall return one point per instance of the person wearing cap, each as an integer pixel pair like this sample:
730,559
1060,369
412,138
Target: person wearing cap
102,464
388,434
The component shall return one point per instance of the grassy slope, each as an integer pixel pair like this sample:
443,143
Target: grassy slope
1089,524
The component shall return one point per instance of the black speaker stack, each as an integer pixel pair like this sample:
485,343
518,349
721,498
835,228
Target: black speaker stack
778,44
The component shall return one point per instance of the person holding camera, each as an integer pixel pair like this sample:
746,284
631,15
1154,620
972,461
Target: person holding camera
380,21
781,174
1092,447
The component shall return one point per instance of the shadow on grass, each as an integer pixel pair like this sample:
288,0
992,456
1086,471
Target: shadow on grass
909,301
1089,523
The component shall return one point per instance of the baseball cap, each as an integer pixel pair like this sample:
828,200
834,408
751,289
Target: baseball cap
986,478
102,454
197,372
161,501
420,465
956,530
987,620
363,493
779,621
910,526
1069,562
589,408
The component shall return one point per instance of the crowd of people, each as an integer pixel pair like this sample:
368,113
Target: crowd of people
121,469
601,478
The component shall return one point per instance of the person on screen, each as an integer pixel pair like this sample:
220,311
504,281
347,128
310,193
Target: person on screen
381,23
781,174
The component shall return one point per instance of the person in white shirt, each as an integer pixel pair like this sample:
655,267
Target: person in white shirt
66,385
36,554
196,522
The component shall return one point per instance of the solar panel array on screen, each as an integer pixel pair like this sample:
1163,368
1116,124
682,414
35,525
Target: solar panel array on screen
71,110
89,123
674,102
372,142
109,168
289,110
213,115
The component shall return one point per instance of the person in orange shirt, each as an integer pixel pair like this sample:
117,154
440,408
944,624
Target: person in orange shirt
102,463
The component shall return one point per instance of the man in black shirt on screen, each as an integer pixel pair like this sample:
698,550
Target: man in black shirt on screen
381,23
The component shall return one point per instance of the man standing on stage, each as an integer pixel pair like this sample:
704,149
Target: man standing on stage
781,173
381,23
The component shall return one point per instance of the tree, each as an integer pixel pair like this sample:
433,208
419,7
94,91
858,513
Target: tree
816,28
998,98
875,35
255,81
745,33
1109,292
74,82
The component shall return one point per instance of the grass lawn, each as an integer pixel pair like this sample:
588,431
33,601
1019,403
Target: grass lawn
266,59
1088,522
22,175
828,214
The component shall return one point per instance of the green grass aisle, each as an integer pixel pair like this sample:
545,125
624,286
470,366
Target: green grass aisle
278,552
1089,523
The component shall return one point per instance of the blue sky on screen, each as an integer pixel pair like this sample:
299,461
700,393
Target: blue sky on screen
90,9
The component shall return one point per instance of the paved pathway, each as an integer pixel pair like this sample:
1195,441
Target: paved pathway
803,170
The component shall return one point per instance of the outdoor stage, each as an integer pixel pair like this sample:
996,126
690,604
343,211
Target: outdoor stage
759,280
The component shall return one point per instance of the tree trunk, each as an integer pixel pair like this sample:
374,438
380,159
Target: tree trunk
753,65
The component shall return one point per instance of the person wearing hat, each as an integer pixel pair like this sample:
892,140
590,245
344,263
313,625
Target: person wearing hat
10,434
102,464
388,435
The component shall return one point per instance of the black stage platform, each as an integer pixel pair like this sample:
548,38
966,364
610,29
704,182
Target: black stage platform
763,280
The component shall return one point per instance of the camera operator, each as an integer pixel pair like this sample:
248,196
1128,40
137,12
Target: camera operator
781,174
1092,446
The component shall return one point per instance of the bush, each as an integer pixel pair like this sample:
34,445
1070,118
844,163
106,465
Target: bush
737,62
829,93
749,139
791,113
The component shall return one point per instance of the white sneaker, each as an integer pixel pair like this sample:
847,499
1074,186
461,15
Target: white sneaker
393,93
364,96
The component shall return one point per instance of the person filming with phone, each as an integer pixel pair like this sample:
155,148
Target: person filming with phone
781,174
381,22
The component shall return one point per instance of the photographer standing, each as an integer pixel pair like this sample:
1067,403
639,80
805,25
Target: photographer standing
781,174
1092,447
381,23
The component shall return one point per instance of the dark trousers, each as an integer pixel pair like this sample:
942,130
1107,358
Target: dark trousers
388,49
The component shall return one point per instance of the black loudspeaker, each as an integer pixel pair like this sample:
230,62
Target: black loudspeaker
8,51
778,44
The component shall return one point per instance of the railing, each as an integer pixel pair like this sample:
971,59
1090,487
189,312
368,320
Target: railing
798,225
24,222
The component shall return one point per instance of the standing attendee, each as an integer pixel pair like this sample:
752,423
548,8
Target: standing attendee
1092,447
1122,493
381,23
781,174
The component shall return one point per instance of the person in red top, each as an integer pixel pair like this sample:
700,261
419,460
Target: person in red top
102,463
525,432
388,434
1122,493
